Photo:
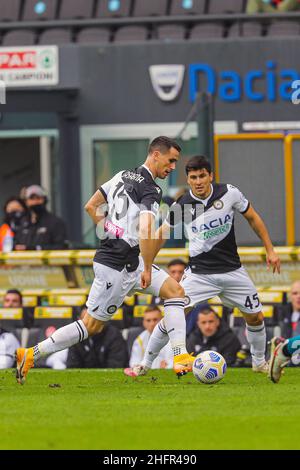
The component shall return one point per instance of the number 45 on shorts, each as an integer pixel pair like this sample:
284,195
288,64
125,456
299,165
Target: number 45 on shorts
252,302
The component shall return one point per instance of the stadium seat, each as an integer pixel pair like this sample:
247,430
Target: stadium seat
249,29
187,7
76,9
170,32
147,8
131,34
217,7
55,36
9,10
284,28
11,318
19,37
113,8
39,10
93,36
207,30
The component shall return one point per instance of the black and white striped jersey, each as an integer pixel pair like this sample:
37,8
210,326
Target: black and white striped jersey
128,194
209,228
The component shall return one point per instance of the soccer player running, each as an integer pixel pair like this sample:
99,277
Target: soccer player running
207,213
125,207
281,354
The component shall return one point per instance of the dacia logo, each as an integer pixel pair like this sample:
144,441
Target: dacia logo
215,223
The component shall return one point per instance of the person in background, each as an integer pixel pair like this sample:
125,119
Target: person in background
12,299
8,341
212,334
43,230
164,360
291,319
176,268
105,350
272,6
14,213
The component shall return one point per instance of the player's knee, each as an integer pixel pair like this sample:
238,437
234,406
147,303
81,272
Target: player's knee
255,319
171,289
92,325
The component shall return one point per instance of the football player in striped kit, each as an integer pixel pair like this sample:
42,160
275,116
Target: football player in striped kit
206,212
124,210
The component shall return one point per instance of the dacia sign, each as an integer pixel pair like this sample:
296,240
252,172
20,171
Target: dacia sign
268,84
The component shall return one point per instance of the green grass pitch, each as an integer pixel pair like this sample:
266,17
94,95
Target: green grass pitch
103,409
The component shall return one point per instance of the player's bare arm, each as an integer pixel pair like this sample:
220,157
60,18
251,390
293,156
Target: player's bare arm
93,207
259,227
161,235
148,245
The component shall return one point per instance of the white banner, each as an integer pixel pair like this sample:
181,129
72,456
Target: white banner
29,66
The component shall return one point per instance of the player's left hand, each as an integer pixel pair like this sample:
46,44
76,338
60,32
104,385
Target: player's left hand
145,279
274,261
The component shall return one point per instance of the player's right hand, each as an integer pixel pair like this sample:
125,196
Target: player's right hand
145,279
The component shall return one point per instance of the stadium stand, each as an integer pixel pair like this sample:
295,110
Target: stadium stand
18,37
76,10
225,6
187,7
34,10
284,28
207,30
153,8
112,8
93,35
56,36
132,21
131,33
169,32
250,29
10,11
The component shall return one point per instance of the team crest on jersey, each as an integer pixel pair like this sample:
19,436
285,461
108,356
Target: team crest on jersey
112,309
218,204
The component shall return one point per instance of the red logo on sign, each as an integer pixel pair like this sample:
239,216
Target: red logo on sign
17,60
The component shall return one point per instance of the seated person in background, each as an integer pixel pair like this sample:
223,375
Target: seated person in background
105,350
291,320
272,6
14,213
43,230
176,268
12,299
212,334
8,341
164,360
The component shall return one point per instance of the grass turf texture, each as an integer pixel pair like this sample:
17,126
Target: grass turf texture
98,409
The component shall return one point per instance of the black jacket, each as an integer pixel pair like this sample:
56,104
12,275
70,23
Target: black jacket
224,341
105,350
48,233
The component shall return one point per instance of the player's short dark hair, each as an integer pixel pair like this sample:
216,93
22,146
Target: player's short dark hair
198,162
152,308
163,144
176,261
15,291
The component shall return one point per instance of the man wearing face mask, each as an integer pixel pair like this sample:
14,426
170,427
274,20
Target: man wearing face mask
43,230
14,214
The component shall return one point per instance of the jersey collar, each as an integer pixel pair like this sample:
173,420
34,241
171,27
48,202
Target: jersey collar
149,171
204,201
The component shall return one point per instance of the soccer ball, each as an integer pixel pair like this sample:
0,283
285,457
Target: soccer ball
209,367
